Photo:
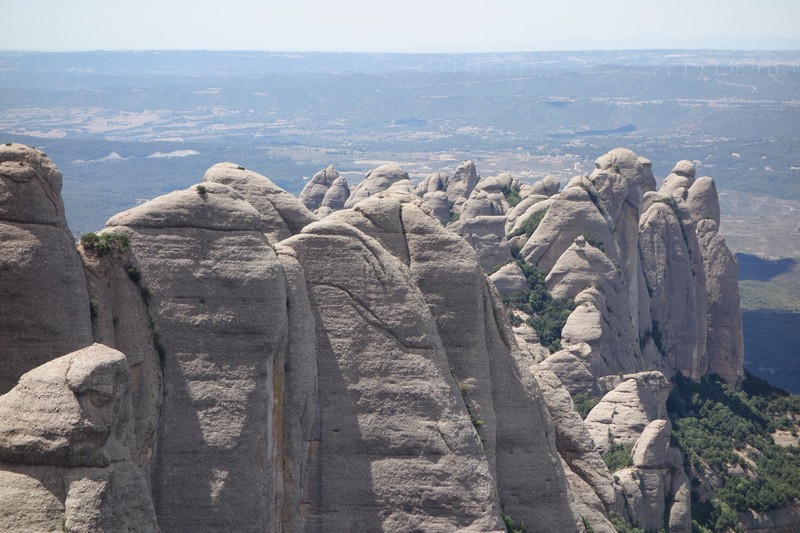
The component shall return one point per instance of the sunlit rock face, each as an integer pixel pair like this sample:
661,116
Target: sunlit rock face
260,367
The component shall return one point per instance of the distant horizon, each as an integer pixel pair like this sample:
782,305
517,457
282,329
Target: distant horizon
413,26
388,52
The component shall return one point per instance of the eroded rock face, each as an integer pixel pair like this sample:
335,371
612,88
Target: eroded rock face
509,279
497,390
602,318
217,301
282,215
575,444
624,412
66,437
461,184
572,213
376,181
672,283
485,234
390,451
45,306
315,190
337,195
367,373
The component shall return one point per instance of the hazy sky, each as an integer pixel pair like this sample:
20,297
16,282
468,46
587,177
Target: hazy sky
405,26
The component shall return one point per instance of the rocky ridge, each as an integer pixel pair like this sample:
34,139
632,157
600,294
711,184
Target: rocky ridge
344,361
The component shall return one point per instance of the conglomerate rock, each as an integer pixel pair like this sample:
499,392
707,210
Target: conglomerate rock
44,306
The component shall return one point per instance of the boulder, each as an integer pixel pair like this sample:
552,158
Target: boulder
572,368
509,279
547,186
461,184
484,202
485,234
437,205
66,437
651,450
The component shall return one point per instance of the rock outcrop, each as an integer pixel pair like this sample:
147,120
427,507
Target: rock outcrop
376,181
317,188
45,307
264,369
66,437
217,301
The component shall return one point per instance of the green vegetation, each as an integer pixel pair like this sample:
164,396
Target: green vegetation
595,198
714,515
584,403
134,274
727,429
511,527
160,350
105,243
547,314
530,224
594,241
618,456
669,200
622,525
201,190
512,194
776,294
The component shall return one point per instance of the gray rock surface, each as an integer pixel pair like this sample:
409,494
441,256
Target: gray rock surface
45,306
674,286
218,309
486,235
571,214
651,450
337,195
602,317
438,206
392,451
509,279
461,184
547,186
376,181
317,187
121,320
625,412
481,355
575,444
725,337
66,437
282,215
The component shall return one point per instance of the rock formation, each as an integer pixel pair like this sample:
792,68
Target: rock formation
261,368
45,306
